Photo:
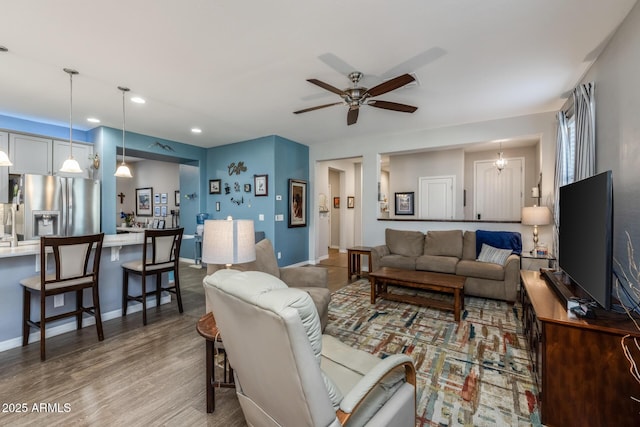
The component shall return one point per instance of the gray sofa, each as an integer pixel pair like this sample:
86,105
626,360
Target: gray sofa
453,252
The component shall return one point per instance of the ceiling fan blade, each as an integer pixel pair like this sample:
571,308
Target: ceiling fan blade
390,85
352,115
316,108
416,62
327,86
392,106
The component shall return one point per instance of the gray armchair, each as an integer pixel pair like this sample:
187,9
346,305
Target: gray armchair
289,374
310,279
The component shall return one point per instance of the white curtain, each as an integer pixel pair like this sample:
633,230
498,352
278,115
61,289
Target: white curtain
585,118
563,170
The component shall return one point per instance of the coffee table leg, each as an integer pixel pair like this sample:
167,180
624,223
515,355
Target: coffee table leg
456,305
372,280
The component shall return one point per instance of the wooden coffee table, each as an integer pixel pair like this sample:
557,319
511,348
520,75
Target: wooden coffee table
423,280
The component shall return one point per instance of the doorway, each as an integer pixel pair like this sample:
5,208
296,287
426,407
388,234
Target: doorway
498,196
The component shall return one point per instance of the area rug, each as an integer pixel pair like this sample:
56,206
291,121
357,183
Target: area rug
476,373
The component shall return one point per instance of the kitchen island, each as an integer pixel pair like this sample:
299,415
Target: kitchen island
17,263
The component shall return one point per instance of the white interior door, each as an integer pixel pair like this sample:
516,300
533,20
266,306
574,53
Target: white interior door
498,196
436,197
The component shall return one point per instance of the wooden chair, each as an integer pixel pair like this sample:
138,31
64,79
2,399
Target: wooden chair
76,267
160,254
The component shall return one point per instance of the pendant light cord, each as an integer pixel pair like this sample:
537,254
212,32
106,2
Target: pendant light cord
123,124
71,73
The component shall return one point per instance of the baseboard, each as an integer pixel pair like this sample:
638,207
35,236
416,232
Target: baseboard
86,321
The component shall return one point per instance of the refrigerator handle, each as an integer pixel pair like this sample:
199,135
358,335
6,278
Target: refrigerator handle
64,207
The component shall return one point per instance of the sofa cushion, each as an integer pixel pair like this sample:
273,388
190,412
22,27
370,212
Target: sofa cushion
469,245
481,270
499,239
443,243
398,261
493,255
406,243
437,264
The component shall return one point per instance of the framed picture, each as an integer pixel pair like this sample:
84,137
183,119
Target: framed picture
156,199
155,223
404,203
260,185
297,203
161,224
351,202
177,198
336,202
156,211
215,186
143,201
247,188
163,211
163,198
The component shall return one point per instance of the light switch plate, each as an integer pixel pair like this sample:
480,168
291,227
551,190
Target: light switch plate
261,217
280,217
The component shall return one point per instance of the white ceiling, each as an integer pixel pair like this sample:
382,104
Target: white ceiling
238,69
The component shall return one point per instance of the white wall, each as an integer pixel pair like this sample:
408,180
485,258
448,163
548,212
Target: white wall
617,93
542,126
163,177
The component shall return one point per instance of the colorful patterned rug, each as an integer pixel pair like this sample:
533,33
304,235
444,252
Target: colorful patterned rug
476,373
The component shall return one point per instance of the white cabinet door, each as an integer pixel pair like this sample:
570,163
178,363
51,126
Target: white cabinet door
83,153
4,170
30,154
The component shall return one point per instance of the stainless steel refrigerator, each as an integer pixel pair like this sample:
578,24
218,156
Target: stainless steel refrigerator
57,206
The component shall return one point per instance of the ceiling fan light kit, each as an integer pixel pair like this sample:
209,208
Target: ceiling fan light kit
357,96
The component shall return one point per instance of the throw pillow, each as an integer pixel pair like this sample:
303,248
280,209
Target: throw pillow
494,255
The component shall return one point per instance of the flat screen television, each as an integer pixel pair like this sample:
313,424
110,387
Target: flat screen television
586,235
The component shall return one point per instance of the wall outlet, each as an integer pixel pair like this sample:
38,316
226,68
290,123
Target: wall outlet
58,300
261,217
278,197
279,255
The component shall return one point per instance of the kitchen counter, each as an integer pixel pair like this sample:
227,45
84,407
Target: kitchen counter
23,261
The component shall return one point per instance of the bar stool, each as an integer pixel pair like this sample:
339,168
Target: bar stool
72,272
160,254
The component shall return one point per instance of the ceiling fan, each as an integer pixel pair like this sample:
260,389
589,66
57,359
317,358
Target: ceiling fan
356,96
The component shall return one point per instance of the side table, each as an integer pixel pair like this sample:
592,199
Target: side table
208,329
355,266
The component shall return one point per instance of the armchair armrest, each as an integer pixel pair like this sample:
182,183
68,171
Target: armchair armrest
378,252
371,379
299,277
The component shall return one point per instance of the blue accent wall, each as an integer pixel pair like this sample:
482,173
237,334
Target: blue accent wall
278,158
38,128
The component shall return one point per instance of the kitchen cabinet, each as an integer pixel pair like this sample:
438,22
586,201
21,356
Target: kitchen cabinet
43,156
83,153
30,154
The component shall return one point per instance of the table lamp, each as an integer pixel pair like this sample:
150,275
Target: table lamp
536,215
228,241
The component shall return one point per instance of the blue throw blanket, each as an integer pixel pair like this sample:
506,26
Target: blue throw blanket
499,239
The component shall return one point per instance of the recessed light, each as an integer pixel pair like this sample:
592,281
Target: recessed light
138,100
93,120
196,130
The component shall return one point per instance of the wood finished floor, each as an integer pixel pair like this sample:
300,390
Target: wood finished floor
151,375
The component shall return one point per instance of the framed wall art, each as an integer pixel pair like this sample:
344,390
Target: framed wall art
297,203
164,198
404,203
336,202
177,198
215,186
260,185
351,202
143,201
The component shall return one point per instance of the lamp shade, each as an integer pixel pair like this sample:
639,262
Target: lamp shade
4,159
228,241
71,165
123,171
536,215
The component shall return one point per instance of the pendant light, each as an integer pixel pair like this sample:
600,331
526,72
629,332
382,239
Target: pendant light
123,170
70,165
501,163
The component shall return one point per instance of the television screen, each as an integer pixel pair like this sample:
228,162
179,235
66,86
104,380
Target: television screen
585,235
